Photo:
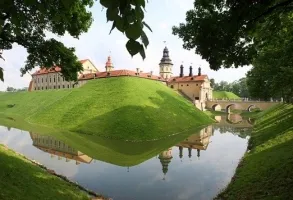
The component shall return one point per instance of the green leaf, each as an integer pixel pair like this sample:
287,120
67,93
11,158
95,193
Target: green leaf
134,31
139,13
140,3
145,24
113,26
119,23
142,52
112,14
144,39
106,3
1,74
133,47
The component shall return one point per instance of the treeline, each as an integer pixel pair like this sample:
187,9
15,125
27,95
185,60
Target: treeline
238,87
12,89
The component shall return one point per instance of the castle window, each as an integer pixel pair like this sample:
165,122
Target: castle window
72,86
54,87
67,86
58,86
196,84
50,79
187,85
54,79
42,88
35,88
58,78
172,86
63,86
46,87
181,85
42,80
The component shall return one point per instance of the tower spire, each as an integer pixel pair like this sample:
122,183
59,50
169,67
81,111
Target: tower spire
166,64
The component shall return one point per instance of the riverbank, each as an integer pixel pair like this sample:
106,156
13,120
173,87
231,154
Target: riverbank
125,108
21,180
265,171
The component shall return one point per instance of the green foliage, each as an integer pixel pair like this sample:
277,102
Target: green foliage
266,170
272,73
129,108
26,22
225,33
19,175
238,87
128,18
224,95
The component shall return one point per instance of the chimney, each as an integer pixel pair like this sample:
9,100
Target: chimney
181,71
190,71
199,71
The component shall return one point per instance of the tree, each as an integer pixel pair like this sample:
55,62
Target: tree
225,33
10,89
272,72
26,22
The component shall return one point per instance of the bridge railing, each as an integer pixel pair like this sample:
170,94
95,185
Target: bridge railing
244,100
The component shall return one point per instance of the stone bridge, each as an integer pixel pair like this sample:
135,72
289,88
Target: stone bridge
218,105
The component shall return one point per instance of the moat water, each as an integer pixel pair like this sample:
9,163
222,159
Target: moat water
197,167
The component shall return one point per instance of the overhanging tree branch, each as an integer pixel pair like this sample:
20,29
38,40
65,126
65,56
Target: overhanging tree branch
271,9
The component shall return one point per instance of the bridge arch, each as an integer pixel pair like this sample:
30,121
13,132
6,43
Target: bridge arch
228,108
250,107
216,107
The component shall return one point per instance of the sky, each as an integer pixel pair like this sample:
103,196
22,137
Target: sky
97,45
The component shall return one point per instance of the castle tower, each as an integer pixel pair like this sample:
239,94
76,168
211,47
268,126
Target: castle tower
165,158
109,65
166,65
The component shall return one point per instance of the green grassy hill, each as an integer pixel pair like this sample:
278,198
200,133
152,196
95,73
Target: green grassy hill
127,108
266,170
224,94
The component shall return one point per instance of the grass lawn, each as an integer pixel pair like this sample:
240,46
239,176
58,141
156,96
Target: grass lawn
224,95
266,171
125,108
21,180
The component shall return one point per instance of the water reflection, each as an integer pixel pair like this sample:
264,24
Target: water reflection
59,148
163,171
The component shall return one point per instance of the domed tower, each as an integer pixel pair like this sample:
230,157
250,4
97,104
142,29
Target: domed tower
109,65
166,65
165,158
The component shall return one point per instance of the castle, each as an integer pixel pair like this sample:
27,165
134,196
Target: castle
196,88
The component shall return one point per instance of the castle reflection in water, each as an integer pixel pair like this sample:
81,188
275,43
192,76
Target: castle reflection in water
59,149
194,144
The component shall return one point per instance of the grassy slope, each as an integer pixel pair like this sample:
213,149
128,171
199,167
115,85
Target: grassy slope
21,180
121,108
266,171
224,94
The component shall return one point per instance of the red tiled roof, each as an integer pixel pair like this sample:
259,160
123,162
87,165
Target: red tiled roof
83,61
53,69
179,79
117,73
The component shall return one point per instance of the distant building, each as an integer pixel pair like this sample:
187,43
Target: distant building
47,79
